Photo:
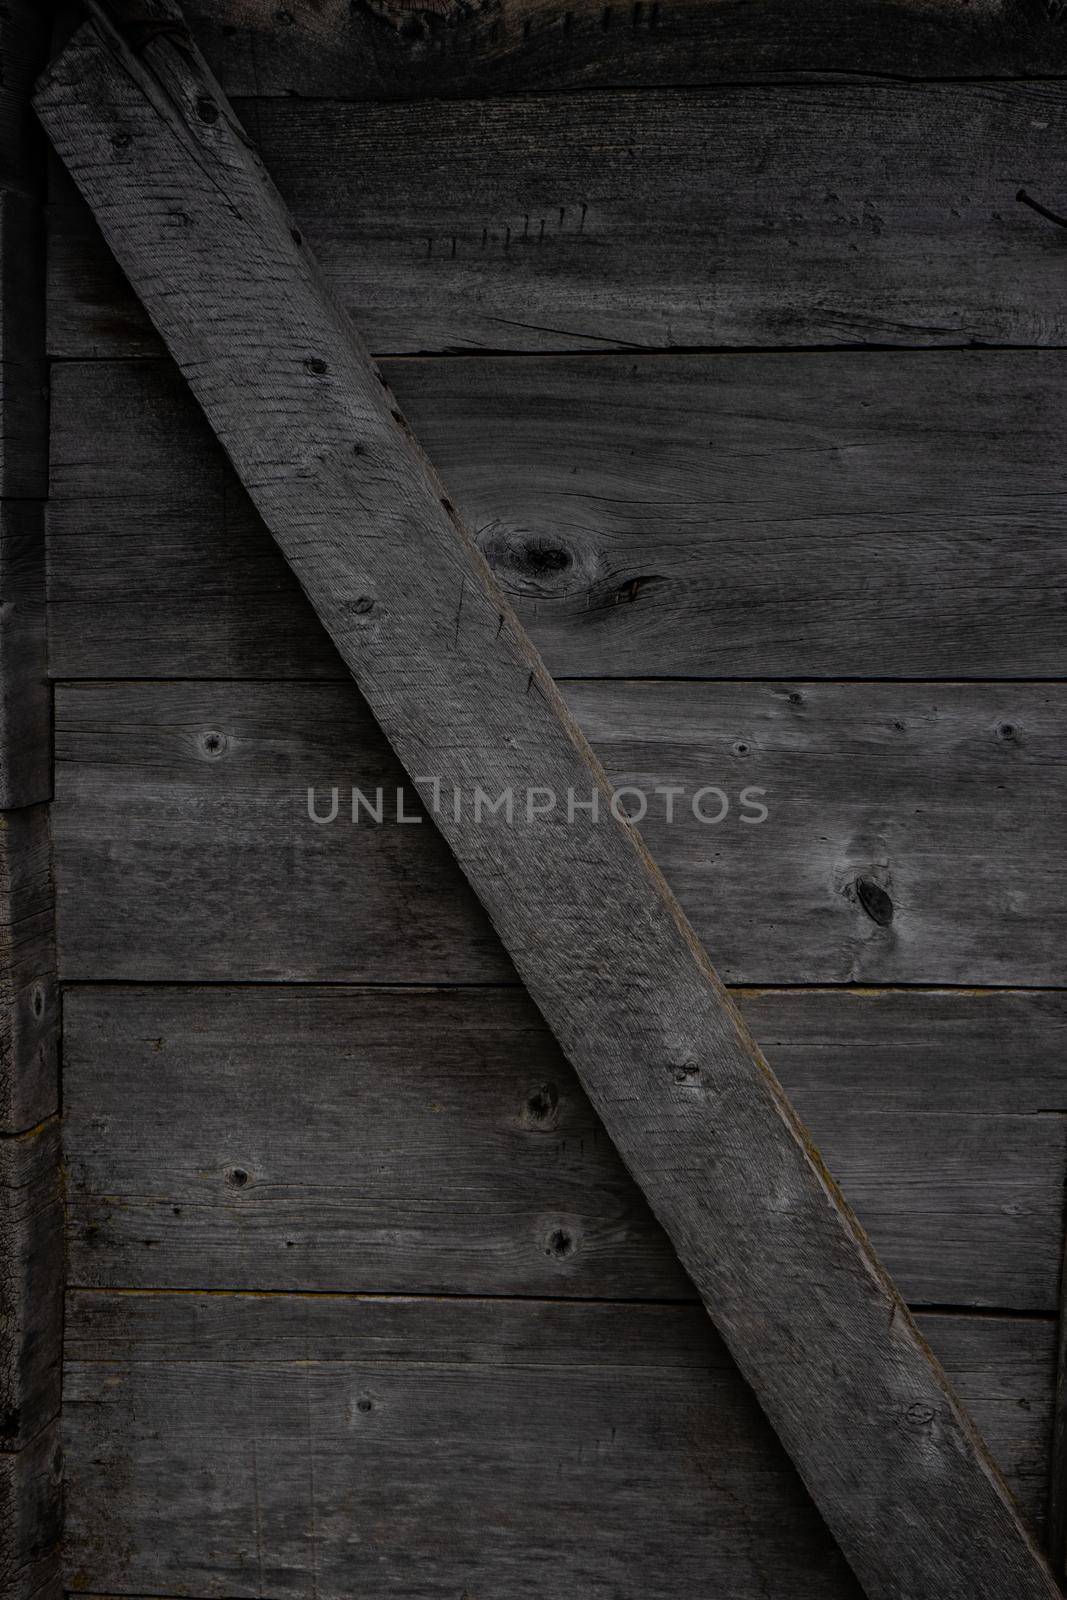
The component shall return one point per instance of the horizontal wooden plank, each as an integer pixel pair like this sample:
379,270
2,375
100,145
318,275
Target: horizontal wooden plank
793,515
259,1446
813,214
437,1141
31,1283
915,832
384,49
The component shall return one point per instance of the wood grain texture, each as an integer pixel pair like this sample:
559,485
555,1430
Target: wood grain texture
31,1283
757,516
23,388
827,214
23,36
25,732
185,849
25,696
31,1519
1057,1500
437,1142
31,1231
847,1382
388,47
29,1001
271,1446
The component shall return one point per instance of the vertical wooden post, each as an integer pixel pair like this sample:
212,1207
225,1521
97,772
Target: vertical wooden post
31,1232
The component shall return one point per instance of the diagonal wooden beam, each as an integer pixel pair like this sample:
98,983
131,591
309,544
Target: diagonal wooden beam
783,1267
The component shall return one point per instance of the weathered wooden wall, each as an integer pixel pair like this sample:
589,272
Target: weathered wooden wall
361,1300
31,1220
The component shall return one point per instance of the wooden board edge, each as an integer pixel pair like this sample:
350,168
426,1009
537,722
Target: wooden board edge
31,1282
31,1506
1057,1499
31,1208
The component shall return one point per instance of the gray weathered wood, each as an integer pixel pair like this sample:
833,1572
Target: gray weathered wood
23,37
862,1407
821,214
436,1141
272,1446
29,1002
31,1234
185,850
23,403
25,735
755,516
384,48
1057,1500
31,1283
31,1519
25,697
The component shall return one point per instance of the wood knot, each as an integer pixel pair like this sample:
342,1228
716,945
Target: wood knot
875,901
212,744
527,561
542,557
560,1244
542,1106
